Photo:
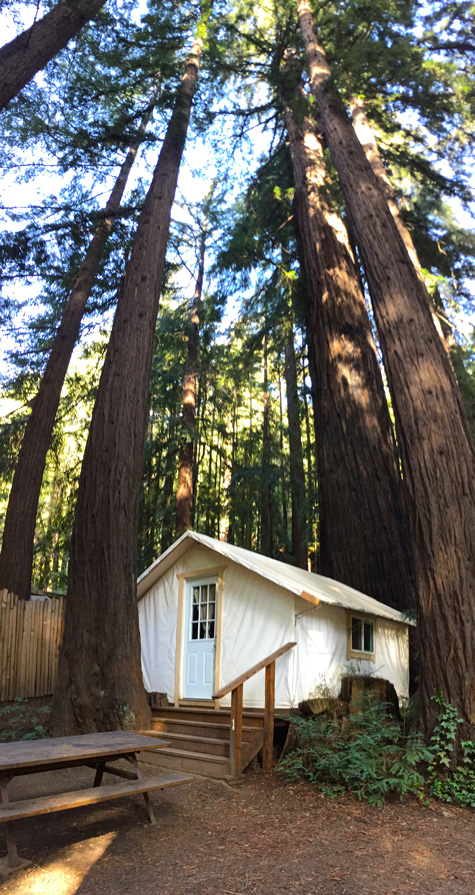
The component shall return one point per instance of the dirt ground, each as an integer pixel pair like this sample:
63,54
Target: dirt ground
263,837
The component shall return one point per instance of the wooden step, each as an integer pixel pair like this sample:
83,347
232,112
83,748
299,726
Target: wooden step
197,728
189,762
221,716
191,743
63,801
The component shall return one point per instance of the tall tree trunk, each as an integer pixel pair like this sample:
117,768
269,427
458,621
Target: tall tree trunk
184,493
365,135
433,435
231,486
362,536
266,539
28,53
100,683
283,477
297,474
367,139
16,558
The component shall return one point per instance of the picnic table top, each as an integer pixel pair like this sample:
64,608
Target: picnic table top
31,753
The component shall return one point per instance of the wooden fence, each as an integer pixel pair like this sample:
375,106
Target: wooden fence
30,637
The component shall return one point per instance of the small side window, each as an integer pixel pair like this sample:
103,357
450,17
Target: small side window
361,638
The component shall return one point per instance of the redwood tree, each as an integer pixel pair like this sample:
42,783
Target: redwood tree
16,558
99,681
362,537
433,435
29,52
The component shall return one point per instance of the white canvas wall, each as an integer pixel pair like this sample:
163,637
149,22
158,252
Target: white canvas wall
258,618
322,635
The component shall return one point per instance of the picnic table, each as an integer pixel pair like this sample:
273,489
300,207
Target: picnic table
95,750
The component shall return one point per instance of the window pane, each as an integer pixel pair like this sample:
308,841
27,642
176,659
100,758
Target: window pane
211,610
368,641
194,631
211,630
356,634
195,613
202,631
212,592
196,595
204,593
203,613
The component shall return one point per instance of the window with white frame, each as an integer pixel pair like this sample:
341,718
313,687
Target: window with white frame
361,637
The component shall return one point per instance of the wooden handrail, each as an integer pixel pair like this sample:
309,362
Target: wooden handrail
255,668
236,690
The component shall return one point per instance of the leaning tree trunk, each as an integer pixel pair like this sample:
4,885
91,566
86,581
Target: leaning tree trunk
16,558
362,537
100,683
433,435
184,491
367,139
28,53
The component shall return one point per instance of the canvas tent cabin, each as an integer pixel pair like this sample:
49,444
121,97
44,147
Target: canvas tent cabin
208,611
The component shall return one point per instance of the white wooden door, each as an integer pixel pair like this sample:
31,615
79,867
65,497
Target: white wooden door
200,638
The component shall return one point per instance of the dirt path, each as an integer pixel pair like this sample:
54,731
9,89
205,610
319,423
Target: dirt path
264,837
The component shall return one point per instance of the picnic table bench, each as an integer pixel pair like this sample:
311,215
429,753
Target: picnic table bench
95,751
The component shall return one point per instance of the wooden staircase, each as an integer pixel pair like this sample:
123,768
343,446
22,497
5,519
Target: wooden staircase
200,740
219,742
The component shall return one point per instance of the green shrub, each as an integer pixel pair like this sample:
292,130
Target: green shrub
449,783
23,721
365,754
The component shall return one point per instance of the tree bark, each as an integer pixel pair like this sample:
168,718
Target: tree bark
367,139
362,538
297,474
100,684
16,559
27,54
433,434
184,492
266,527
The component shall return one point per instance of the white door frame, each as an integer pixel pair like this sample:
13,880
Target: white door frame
183,578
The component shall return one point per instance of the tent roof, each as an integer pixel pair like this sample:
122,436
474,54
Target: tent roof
307,585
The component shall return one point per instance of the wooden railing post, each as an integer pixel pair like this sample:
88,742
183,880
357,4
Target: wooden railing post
235,687
235,734
267,750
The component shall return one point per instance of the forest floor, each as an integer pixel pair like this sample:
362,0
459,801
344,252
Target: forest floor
266,836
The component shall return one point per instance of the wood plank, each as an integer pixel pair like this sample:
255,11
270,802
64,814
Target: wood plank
4,635
64,801
255,668
190,762
16,675
40,753
29,653
8,649
269,718
42,651
52,641
235,733
13,649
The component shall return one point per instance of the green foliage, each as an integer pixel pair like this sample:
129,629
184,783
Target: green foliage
22,721
449,783
364,754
